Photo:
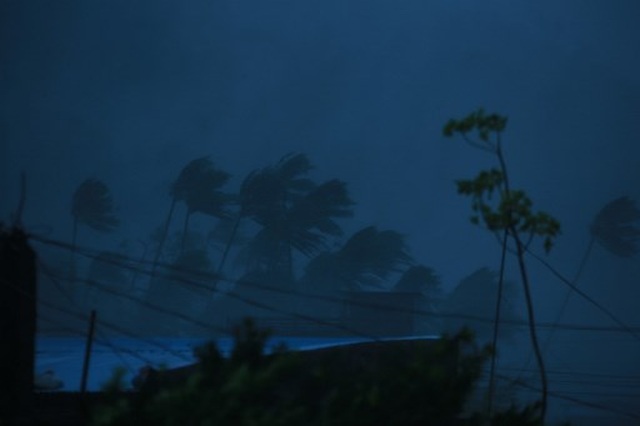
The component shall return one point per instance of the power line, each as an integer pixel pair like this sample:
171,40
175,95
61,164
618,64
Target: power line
568,398
524,385
105,324
157,308
101,341
315,296
243,299
614,318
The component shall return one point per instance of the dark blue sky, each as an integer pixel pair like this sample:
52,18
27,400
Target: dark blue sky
128,92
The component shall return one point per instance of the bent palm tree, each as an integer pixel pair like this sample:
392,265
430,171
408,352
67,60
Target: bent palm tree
419,279
264,193
365,260
198,187
302,226
613,229
91,205
474,299
294,214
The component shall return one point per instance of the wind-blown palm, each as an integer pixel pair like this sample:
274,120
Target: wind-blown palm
302,226
420,279
372,253
367,258
475,296
198,186
264,193
91,205
294,214
614,230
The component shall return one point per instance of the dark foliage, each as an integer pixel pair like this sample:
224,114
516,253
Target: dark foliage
92,205
404,383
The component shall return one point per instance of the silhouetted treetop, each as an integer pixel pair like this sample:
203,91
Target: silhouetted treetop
613,227
92,205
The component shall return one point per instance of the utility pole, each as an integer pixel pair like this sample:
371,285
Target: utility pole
17,325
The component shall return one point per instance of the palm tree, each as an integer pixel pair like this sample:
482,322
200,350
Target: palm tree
366,260
91,205
303,226
293,213
426,285
475,297
613,229
420,279
264,194
370,256
198,186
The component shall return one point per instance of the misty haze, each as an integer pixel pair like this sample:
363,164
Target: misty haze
181,166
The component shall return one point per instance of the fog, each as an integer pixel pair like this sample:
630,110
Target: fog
130,92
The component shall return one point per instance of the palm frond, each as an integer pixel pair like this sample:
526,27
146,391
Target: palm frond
292,166
319,208
198,186
373,252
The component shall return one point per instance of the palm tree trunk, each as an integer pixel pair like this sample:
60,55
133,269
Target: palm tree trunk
165,231
227,248
185,230
134,276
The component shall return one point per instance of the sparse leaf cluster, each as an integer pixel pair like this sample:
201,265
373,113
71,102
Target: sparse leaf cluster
483,125
512,211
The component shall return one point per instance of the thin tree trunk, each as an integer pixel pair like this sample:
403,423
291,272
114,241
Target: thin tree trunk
532,324
496,326
527,290
565,302
227,248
